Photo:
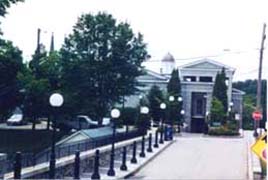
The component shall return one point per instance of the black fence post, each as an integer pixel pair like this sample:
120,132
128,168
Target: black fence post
17,166
96,174
161,136
142,154
150,143
166,138
156,139
123,167
134,159
77,165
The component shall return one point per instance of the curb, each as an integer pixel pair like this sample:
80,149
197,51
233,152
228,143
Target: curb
133,172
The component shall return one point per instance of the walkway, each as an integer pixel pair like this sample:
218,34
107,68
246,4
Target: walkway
194,156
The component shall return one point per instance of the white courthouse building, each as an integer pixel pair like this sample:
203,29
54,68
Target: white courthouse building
197,81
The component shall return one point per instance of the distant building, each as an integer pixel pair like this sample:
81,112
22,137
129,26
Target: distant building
197,81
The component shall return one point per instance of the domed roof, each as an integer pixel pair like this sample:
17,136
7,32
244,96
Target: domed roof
168,58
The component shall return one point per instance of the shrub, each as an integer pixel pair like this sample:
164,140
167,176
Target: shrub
232,125
222,131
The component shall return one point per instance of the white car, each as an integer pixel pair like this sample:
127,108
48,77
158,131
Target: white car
15,119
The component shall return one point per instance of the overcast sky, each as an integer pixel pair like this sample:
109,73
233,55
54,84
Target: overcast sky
185,28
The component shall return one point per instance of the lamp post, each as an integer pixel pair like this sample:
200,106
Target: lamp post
205,129
162,107
115,113
230,110
171,100
179,123
144,111
182,114
56,100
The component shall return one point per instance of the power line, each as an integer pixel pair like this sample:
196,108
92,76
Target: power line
202,57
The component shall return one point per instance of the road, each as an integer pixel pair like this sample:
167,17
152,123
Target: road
194,156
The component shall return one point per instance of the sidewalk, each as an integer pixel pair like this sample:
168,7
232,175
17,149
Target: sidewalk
254,167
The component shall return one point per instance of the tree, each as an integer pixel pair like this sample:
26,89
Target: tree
101,60
10,65
217,113
155,98
4,4
220,89
249,103
174,89
39,80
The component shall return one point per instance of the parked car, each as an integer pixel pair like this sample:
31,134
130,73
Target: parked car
15,119
81,122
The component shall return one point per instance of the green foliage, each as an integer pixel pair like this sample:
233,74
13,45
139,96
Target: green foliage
174,89
174,85
101,60
155,98
10,65
249,104
222,131
220,89
35,101
4,4
129,115
248,109
232,125
217,113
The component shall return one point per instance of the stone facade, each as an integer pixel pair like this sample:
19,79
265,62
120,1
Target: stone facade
197,81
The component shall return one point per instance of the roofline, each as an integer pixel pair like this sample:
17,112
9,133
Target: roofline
239,91
155,74
208,60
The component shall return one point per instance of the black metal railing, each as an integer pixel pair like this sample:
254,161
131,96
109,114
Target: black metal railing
32,159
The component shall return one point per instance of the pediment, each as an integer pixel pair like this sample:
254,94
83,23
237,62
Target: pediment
206,64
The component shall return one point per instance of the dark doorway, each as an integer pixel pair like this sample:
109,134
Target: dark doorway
197,125
198,111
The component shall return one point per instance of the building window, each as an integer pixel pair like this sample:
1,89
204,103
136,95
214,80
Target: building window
205,79
189,78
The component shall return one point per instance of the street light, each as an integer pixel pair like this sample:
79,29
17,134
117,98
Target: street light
56,100
115,113
171,100
205,128
182,114
179,122
230,109
144,111
162,107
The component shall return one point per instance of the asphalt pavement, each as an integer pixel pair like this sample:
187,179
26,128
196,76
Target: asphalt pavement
194,156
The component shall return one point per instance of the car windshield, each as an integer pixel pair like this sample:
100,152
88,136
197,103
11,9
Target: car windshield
16,116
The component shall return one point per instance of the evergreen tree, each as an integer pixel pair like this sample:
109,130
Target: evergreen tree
174,89
217,113
155,98
220,89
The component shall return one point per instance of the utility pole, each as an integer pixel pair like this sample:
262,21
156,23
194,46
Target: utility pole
259,108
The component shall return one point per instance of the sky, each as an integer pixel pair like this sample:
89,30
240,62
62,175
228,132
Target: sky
228,31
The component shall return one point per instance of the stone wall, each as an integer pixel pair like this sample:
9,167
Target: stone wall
65,165
2,165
